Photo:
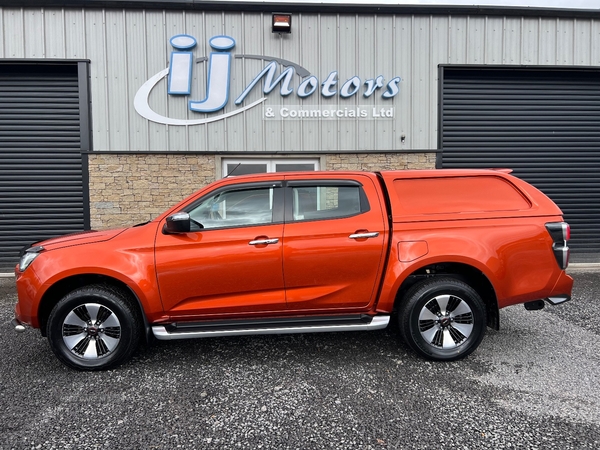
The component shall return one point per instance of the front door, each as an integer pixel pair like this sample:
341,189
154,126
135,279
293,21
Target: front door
231,261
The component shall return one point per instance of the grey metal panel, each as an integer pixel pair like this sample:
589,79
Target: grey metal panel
235,137
116,69
156,53
34,42
54,34
177,106
545,125
309,57
41,182
75,35
128,46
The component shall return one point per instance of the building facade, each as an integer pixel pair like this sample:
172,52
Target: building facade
110,114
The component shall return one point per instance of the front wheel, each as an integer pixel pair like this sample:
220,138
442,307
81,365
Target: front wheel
93,328
442,319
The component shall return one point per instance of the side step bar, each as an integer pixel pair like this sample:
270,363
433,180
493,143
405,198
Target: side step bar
558,299
274,326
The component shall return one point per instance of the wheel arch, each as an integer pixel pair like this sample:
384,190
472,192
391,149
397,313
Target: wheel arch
66,285
463,272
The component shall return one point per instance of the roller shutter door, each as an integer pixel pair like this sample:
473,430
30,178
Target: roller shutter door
543,124
41,174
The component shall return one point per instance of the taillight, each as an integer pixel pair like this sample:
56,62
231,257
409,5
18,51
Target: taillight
560,232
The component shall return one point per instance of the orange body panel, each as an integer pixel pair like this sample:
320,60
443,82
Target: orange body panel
516,259
318,267
127,256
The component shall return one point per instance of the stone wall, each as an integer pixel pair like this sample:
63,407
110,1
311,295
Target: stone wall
372,162
129,189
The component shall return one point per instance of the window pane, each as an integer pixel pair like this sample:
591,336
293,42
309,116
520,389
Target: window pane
281,167
234,169
235,208
325,202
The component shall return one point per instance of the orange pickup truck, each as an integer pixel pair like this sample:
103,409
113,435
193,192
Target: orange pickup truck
440,250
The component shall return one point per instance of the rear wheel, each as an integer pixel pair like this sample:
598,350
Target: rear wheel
442,319
93,328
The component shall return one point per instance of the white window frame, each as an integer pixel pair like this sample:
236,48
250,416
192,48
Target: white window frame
271,163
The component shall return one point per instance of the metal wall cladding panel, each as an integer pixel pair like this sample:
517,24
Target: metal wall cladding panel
14,33
379,53
476,41
53,27
235,134
494,40
347,62
245,133
565,42
458,39
136,74
513,41
34,43
545,125
177,105
127,47
41,184
270,46
116,70
75,33
422,74
309,56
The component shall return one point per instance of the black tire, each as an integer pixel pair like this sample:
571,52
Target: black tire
94,328
442,319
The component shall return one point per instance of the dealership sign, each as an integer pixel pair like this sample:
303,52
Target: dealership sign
179,82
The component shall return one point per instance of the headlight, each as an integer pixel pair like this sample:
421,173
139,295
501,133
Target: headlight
28,257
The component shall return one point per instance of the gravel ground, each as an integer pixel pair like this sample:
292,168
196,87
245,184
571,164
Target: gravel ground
535,384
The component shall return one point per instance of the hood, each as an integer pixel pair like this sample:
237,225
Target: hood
85,237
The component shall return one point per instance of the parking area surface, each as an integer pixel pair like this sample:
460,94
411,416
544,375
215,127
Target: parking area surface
533,384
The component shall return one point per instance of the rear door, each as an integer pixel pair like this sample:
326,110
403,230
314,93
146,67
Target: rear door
334,240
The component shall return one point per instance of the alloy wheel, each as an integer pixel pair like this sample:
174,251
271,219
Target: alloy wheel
91,331
446,321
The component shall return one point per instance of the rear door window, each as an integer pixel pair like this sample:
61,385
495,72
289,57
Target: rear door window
327,202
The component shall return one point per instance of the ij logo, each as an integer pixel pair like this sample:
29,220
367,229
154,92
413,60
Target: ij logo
180,73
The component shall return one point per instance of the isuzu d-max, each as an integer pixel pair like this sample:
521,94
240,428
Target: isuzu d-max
441,251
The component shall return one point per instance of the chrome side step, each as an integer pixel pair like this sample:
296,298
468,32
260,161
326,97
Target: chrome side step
183,331
19,327
558,299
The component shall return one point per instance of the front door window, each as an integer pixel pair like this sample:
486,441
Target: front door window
235,208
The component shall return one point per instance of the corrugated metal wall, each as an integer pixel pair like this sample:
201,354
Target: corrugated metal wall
545,125
126,47
41,177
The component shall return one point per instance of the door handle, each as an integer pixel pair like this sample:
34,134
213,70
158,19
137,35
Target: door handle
364,235
263,241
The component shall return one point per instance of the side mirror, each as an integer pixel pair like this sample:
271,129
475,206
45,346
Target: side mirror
178,223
